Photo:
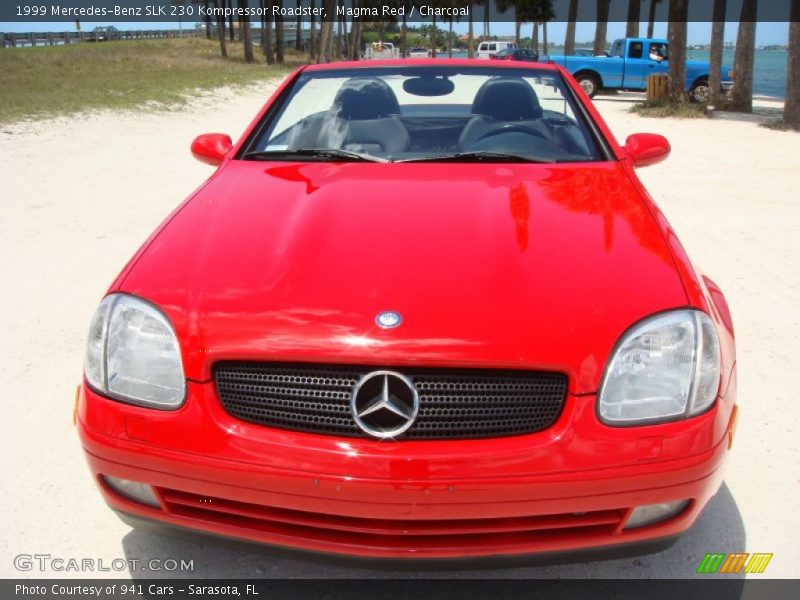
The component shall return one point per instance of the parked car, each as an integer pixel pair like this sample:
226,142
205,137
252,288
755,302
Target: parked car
487,49
522,54
419,53
630,62
103,34
421,309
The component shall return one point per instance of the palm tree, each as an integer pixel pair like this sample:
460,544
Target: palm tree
676,34
545,13
544,38
355,35
266,32
247,40
207,20
279,47
470,32
741,98
341,45
433,37
717,40
298,42
602,26
312,32
223,50
572,16
326,31
791,110
651,18
486,4
634,7
231,29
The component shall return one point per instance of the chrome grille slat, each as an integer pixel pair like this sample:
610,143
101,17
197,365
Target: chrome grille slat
454,403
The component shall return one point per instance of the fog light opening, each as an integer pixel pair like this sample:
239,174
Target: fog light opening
650,514
133,490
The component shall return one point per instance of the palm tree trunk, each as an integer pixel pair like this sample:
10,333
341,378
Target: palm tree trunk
741,99
231,30
207,20
676,34
279,45
326,30
356,33
223,50
404,37
247,40
517,28
312,33
450,38
470,32
572,16
544,37
266,34
634,7
433,38
602,27
298,41
717,41
651,18
340,50
535,37
791,110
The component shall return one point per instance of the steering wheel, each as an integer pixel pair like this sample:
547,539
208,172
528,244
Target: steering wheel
512,128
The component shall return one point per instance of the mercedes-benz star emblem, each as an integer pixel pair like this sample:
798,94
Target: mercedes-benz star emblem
388,319
384,404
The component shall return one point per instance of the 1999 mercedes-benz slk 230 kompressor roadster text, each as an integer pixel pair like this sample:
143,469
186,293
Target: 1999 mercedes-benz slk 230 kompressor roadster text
421,309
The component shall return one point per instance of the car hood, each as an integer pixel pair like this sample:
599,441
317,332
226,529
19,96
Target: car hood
515,266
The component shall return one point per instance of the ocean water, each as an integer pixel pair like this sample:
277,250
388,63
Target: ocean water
769,70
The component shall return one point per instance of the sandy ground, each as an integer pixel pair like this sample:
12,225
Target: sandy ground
78,196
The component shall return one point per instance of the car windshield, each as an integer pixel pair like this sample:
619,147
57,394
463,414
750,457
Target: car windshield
416,113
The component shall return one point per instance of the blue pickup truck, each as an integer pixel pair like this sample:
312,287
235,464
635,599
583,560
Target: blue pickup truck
628,65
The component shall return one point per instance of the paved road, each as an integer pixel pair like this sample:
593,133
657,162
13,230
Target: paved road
730,190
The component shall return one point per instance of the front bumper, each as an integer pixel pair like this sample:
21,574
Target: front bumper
568,488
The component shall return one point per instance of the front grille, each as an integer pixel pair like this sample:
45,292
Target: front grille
454,403
478,535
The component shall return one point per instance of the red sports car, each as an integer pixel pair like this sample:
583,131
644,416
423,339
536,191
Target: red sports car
421,309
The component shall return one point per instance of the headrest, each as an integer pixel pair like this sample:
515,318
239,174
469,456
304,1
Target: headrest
363,98
507,99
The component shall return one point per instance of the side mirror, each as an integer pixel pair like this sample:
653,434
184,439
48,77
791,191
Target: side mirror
211,148
646,149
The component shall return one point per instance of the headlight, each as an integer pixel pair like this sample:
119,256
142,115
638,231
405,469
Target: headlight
664,368
133,354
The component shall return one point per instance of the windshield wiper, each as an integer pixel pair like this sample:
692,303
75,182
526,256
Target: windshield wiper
482,156
330,153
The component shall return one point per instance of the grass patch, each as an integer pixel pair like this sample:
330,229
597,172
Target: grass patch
661,110
57,80
776,124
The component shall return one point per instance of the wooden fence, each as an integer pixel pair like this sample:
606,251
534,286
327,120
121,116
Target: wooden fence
15,40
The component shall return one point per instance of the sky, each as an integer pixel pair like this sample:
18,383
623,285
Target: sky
698,33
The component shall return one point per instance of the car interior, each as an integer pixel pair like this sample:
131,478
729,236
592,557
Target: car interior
505,116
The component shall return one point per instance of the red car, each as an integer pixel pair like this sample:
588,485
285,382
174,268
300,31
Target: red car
419,310
521,54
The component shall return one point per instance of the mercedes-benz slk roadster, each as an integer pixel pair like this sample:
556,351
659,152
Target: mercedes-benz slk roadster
421,309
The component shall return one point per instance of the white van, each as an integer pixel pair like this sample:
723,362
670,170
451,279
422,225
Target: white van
487,49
